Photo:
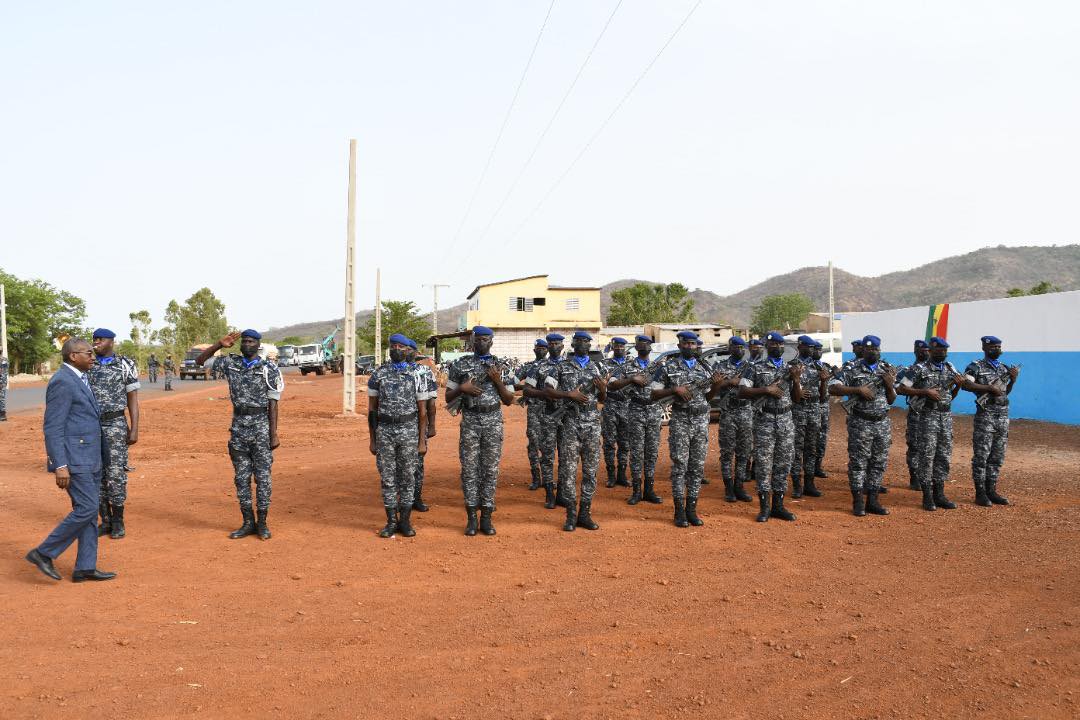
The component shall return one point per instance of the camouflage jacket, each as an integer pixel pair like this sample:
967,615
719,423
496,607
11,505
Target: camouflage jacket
810,379
252,385
522,375
639,395
570,375
427,386
729,398
859,374
398,388
474,368
764,373
674,371
986,372
927,375
111,379
616,371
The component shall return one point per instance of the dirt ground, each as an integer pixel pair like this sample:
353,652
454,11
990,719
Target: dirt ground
968,613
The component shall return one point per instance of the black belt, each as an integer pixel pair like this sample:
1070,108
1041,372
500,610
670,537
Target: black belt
687,411
640,401
482,410
870,417
775,411
249,411
105,417
396,419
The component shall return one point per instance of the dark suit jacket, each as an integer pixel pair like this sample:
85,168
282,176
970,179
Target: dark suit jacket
72,424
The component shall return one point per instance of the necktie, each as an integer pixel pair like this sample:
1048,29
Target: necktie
85,380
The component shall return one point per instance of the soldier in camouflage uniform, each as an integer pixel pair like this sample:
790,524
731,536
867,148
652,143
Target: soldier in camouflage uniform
577,385
3,387
643,421
691,384
736,423
170,371
757,350
551,429
930,386
152,368
773,385
115,382
613,418
534,408
823,409
991,381
397,423
806,415
484,384
427,384
255,387
870,383
912,420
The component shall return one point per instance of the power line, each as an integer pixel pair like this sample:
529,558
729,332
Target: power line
498,136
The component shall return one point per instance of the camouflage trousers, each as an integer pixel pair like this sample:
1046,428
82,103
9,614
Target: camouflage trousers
115,455
3,396
418,475
395,456
774,444
989,440
643,437
933,443
736,435
480,450
806,418
249,448
614,431
168,380
868,451
551,434
688,444
152,374
579,442
825,413
534,421
911,435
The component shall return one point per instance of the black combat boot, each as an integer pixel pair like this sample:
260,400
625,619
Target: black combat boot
536,478
560,499
810,488
763,505
691,512
620,477
635,494
584,516
796,486
549,496
729,490
884,490
680,512
650,495
928,498
872,505
404,526
571,518
117,531
105,526
992,495
611,476
418,503
939,497
391,523
260,524
485,521
980,495
819,472
470,527
741,494
248,528
778,510
913,483
858,507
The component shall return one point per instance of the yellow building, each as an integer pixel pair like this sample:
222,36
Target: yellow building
521,310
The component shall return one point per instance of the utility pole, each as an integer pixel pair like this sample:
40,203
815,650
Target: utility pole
348,370
435,306
832,309
3,323
378,318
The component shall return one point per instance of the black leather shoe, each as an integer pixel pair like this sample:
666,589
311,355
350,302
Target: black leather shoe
42,563
928,499
391,523
95,574
740,494
584,517
680,513
571,518
485,522
691,512
470,526
404,523
778,509
980,497
635,494
549,497
810,488
117,530
105,526
763,507
992,494
858,506
419,505
260,525
872,505
248,528
650,495
940,500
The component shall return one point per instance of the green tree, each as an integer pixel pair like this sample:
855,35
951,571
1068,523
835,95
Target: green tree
201,319
141,336
38,314
647,303
780,312
398,316
1041,288
291,340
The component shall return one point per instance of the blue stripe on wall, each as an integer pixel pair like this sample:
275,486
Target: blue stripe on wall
1047,389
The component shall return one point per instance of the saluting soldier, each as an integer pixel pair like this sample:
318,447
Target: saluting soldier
115,382
643,421
736,426
613,417
534,408
991,380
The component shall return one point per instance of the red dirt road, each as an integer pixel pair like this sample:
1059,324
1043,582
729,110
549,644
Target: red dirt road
969,613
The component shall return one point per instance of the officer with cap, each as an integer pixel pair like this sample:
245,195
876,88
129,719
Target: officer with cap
613,418
736,426
692,384
757,349
152,367
551,429
578,385
773,385
115,382
533,410
255,387
643,420
930,385
913,419
428,387
823,410
806,416
488,385
870,381
992,381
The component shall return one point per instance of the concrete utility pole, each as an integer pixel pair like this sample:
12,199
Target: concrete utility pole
378,318
348,398
3,323
832,310
435,306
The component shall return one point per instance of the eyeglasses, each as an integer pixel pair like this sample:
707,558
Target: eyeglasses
81,352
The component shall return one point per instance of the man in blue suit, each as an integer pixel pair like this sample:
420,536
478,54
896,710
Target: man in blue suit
73,443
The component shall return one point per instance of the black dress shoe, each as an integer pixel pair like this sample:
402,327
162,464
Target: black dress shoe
42,563
95,574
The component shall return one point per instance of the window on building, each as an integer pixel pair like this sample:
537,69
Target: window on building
573,304
520,304
474,304
540,301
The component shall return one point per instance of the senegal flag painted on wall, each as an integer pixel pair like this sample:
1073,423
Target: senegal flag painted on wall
937,323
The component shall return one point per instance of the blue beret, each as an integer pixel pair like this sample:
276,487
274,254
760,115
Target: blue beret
481,330
554,337
939,341
736,340
921,344
411,343
399,339
816,343
582,335
540,342
687,335
103,333
756,342
618,341
806,340
871,341
775,337
990,340
251,334
857,341
643,338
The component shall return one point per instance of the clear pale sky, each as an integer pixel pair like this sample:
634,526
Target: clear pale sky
149,149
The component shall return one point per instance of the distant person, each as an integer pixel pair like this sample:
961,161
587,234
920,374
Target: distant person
534,408
991,380
170,372
152,368
3,387
73,444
